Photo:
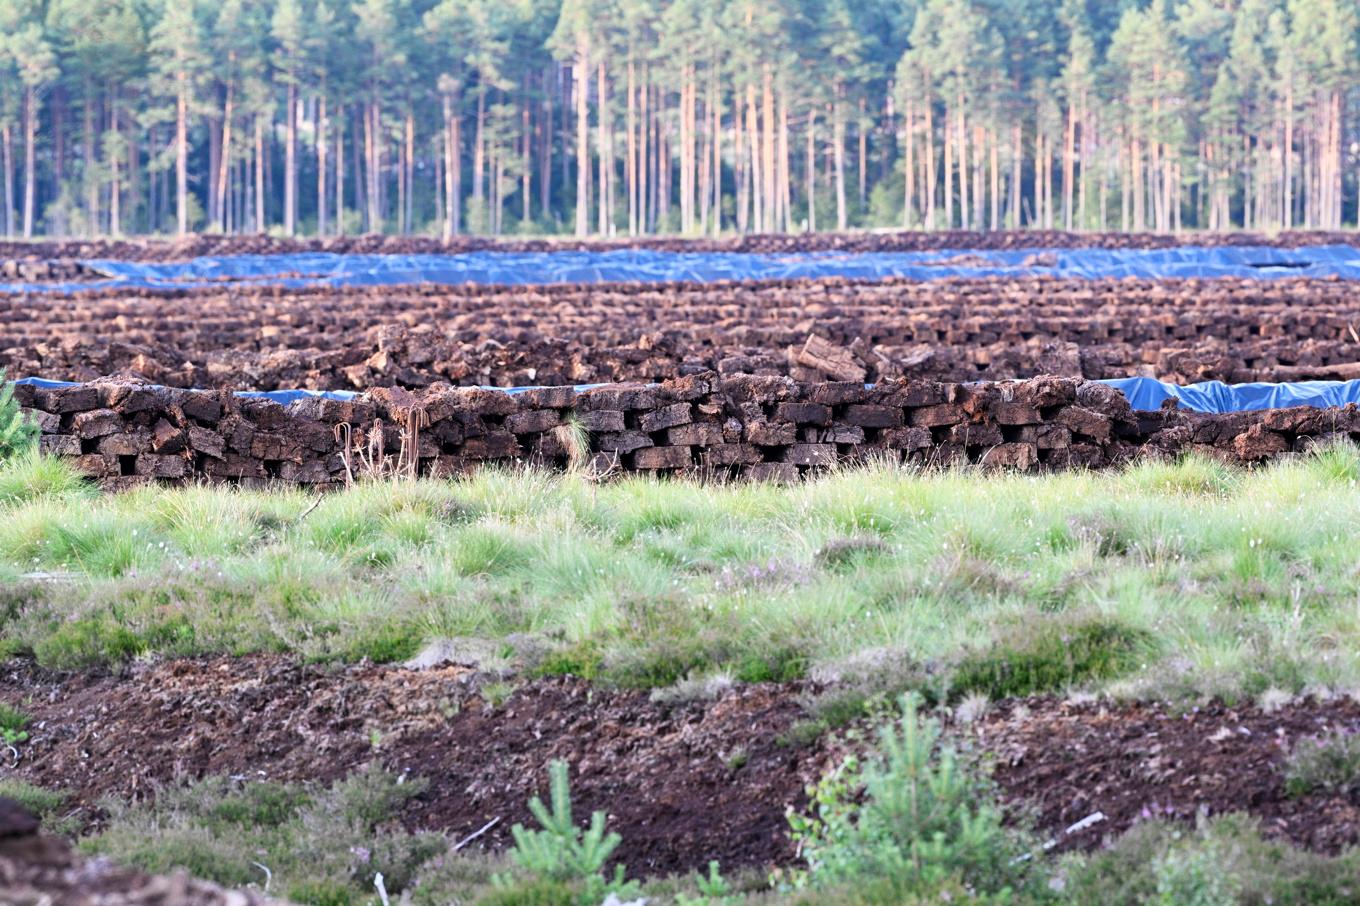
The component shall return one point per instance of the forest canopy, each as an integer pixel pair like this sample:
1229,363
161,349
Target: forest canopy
624,117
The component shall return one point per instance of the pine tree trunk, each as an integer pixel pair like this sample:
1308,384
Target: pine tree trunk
340,172
259,175
739,168
1083,177
224,163
838,143
811,175
602,162
115,186
546,143
373,149
948,145
30,174
290,161
321,224
644,151
1069,162
863,135
7,147
908,166
526,162
1289,154
961,135
1013,218
757,177
451,167
581,86
930,164
686,162
995,161
410,163
181,153
630,149
770,188
716,113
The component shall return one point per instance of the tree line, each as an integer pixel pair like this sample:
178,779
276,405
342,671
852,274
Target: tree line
627,117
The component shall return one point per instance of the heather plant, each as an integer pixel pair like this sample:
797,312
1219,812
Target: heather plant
1329,763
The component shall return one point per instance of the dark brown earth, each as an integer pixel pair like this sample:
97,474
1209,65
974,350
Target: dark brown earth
662,773
1142,760
683,784
883,241
952,330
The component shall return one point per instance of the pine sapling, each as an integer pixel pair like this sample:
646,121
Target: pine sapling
561,851
18,433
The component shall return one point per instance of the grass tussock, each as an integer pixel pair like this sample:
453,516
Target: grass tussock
1177,579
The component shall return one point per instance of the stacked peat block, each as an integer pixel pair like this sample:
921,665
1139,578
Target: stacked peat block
752,426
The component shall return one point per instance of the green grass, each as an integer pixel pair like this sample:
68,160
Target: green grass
1181,579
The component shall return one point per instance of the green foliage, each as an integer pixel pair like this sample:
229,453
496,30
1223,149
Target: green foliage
12,724
915,816
1047,654
38,800
1324,764
1223,860
713,890
562,853
1181,584
18,433
33,477
322,846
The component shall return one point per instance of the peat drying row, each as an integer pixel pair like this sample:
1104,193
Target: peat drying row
65,252
746,426
266,338
661,770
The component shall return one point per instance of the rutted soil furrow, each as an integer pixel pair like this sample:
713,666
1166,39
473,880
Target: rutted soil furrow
662,772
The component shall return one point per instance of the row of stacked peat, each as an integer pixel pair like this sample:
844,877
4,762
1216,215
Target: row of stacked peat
758,427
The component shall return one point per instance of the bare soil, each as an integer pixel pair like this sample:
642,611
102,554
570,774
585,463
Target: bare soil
682,783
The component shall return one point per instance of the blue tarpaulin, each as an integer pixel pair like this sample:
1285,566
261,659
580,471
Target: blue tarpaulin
1144,394
542,268
1147,394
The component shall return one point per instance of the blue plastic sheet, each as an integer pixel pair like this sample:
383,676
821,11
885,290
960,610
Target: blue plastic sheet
1143,393
543,268
1146,394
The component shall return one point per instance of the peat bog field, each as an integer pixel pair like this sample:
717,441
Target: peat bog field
872,569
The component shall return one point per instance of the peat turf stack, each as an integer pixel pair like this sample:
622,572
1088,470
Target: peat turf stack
741,426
